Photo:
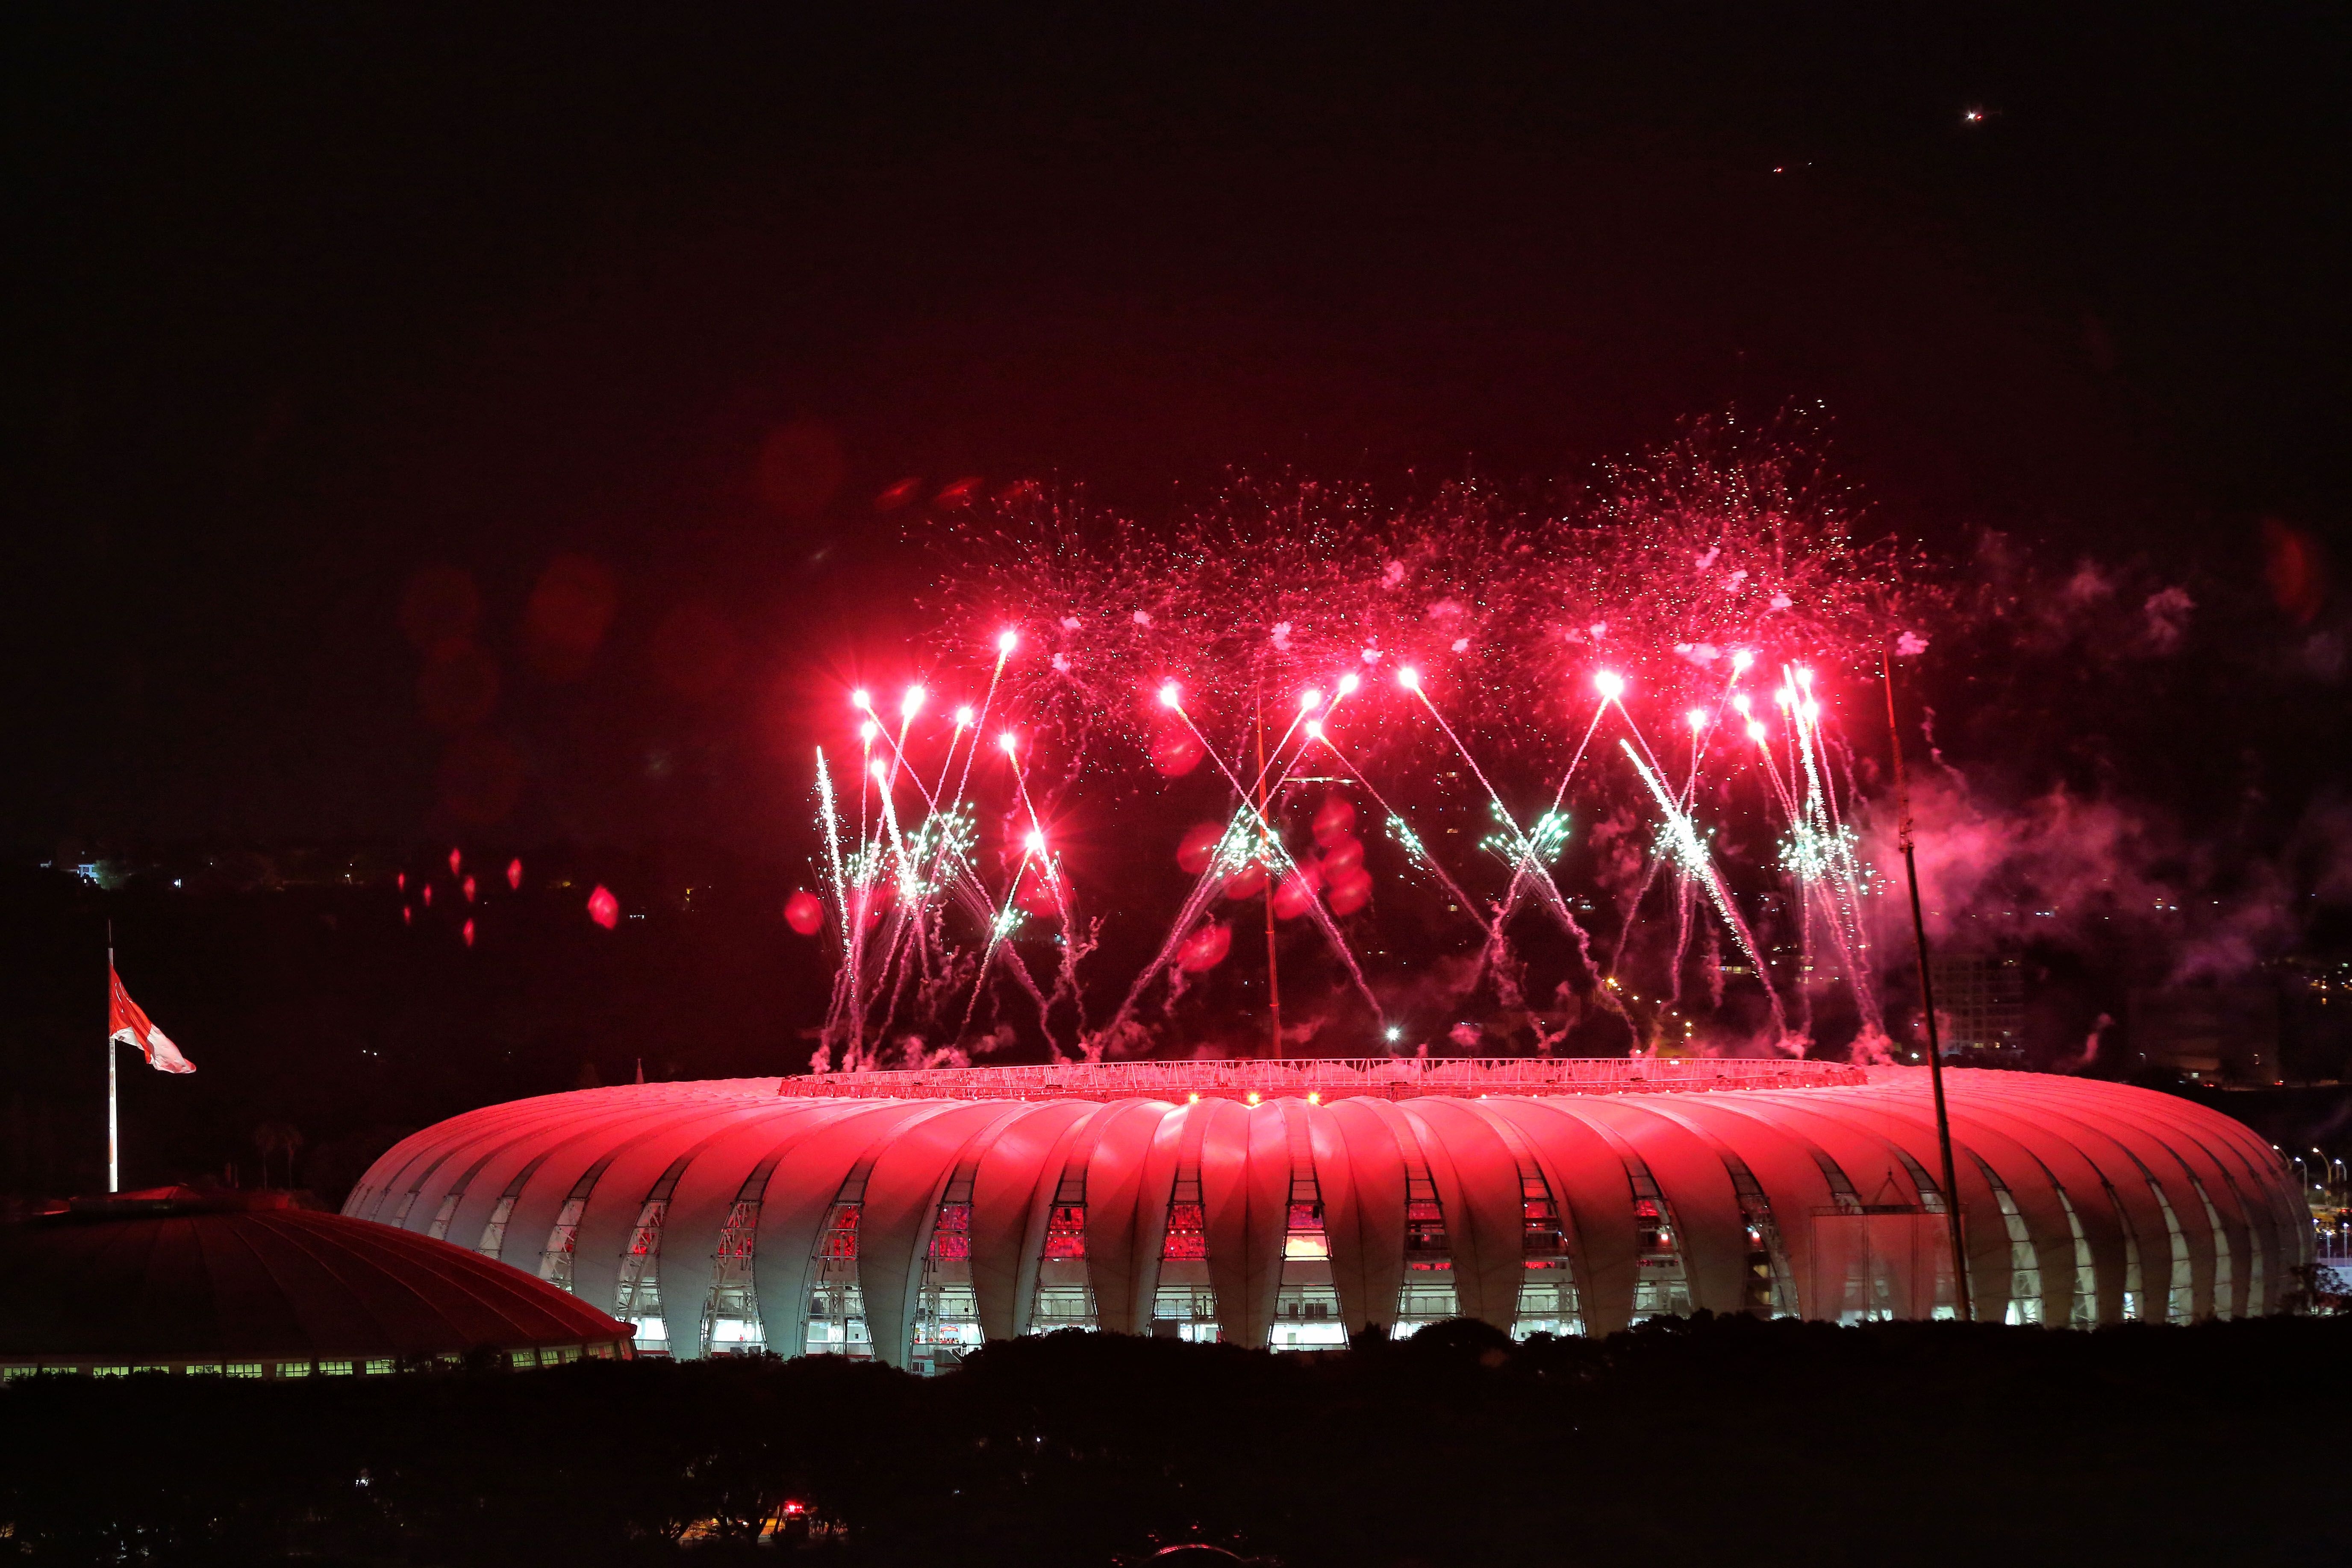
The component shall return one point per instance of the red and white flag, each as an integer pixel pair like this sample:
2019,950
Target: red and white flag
126,1024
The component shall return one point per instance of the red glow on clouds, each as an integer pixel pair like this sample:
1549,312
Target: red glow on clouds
1206,948
603,908
1351,890
1343,855
1295,896
805,913
1176,752
1197,845
1334,820
898,495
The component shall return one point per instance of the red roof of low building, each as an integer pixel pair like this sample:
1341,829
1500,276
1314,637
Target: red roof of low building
171,1279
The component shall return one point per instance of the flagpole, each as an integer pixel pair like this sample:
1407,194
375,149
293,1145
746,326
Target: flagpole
1963,1299
113,1138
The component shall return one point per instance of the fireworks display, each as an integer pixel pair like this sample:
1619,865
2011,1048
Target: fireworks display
1574,755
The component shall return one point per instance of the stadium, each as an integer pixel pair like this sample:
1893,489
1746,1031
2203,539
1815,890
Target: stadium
911,1217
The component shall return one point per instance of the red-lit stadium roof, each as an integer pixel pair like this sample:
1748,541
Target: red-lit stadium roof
910,1215
266,1291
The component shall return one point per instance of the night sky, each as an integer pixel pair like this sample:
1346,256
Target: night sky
299,304
607,347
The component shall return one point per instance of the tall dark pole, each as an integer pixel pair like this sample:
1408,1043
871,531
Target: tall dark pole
1928,1005
1272,979
113,1122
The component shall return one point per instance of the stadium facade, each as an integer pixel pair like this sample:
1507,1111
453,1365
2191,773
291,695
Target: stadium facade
911,1217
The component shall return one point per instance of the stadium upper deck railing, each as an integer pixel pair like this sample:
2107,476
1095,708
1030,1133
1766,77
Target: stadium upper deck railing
1329,1078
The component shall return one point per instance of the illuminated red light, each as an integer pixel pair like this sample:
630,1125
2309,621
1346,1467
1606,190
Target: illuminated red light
1609,684
1170,697
1348,682
603,908
514,875
1409,678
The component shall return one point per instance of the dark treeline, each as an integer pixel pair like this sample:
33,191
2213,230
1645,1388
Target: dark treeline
1725,1442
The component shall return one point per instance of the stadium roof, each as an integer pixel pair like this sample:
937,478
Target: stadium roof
905,1215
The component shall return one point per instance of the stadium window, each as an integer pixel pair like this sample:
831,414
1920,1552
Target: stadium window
1427,1294
837,1313
731,1316
1768,1288
1547,1302
1065,1296
1184,1302
377,1366
1660,1284
637,1298
946,1312
1306,1302
334,1369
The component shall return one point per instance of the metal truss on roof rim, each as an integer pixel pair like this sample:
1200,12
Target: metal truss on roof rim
1317,1079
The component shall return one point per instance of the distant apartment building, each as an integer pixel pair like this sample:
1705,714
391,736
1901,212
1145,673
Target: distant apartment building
1979,1002
2214,1034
